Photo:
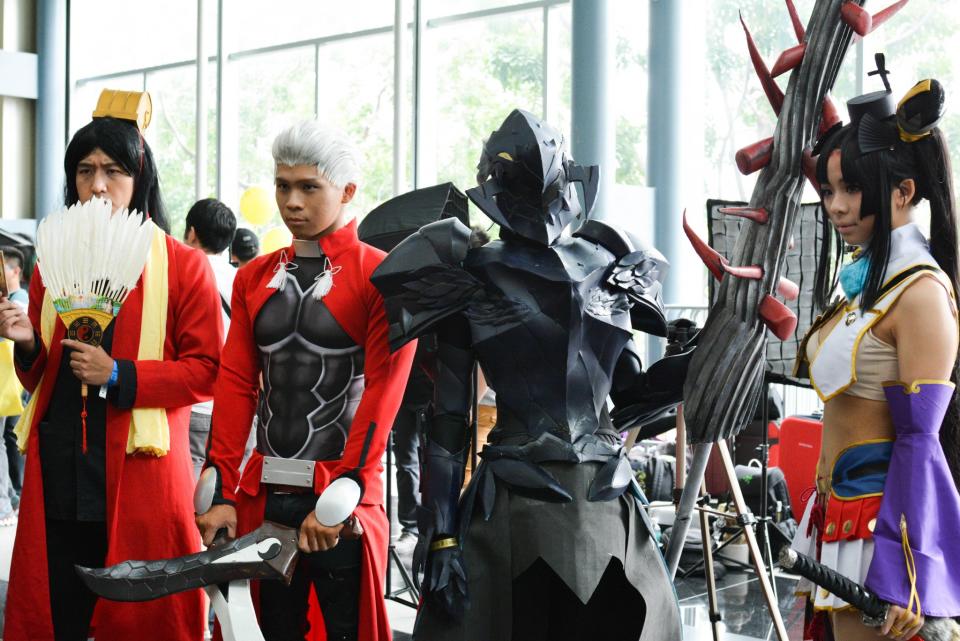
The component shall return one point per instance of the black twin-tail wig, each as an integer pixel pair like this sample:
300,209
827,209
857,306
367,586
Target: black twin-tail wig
878,174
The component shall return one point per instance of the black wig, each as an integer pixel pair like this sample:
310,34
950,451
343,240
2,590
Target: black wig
878,174
120,140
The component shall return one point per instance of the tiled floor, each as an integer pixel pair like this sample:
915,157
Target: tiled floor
742,607
6,551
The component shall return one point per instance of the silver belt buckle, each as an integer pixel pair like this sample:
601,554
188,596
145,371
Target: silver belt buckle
287,471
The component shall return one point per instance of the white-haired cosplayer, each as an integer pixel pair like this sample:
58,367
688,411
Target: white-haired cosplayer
316,174
311,143
308,355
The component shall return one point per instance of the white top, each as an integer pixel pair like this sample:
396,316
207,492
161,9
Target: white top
223,274
833,369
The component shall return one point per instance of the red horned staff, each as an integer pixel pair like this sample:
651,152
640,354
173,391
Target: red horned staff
725,377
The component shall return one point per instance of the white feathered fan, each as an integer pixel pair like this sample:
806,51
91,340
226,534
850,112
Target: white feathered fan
90,259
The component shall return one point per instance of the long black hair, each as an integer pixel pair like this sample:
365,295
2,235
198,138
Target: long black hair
878,174
120,140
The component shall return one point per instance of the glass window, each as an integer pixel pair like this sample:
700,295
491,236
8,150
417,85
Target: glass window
479,59
253,24
110,36
172,136
262,95
433,9
628,89
355,94
474,73
558,81
736,112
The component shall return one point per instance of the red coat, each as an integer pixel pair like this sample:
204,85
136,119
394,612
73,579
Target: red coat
149,499
358,308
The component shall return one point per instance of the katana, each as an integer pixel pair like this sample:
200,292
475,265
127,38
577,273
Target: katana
873,608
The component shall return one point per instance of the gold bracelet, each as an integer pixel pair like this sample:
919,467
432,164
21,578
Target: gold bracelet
442,544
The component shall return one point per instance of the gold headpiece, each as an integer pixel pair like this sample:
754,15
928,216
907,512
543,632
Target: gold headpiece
135,106
920,110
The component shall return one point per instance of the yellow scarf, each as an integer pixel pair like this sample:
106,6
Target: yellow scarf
149,431
10,390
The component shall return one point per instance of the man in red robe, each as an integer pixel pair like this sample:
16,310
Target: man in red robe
90,497
308,353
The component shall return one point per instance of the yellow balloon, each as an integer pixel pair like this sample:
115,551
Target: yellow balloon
274,239
257,205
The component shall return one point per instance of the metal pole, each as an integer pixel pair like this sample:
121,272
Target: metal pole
592,130
316,80
765,519
681,454
714,611
418,29
688,500
51,118
399,99
861,67
746,521
545,64
664,118
220,74
200,187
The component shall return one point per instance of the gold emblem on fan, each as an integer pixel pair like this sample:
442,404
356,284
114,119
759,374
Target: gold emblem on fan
87,330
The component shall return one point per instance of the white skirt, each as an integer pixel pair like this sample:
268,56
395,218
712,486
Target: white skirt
849,558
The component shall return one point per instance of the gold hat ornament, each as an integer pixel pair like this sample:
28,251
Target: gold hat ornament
135,106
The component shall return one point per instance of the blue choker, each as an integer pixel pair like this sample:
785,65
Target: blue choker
853,276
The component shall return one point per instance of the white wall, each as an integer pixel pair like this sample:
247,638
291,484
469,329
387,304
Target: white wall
17,33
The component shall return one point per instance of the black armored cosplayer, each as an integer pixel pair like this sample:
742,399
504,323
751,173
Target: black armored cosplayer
549,540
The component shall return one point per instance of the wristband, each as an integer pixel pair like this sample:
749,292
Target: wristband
114,375
443,544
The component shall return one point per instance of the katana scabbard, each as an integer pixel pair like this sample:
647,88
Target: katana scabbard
856,595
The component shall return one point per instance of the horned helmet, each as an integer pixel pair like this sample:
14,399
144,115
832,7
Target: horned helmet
526,178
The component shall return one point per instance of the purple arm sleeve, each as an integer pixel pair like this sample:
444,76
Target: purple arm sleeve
920,505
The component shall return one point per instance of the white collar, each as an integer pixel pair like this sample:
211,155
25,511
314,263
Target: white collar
307,249
905,241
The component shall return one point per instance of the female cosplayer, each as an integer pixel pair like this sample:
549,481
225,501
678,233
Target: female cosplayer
883,360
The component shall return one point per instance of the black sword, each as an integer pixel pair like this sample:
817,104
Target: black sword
269,552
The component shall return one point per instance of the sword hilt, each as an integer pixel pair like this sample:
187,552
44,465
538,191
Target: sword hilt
854,594
220,538
874,610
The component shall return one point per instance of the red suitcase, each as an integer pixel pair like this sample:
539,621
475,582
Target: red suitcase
799,453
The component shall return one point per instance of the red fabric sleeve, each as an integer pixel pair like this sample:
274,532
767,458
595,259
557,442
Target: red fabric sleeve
196,330
236,390
31,378
385,379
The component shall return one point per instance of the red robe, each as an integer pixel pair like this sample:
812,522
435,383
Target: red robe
358,307
149,499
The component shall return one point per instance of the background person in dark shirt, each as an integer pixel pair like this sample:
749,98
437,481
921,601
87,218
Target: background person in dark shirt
245,247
